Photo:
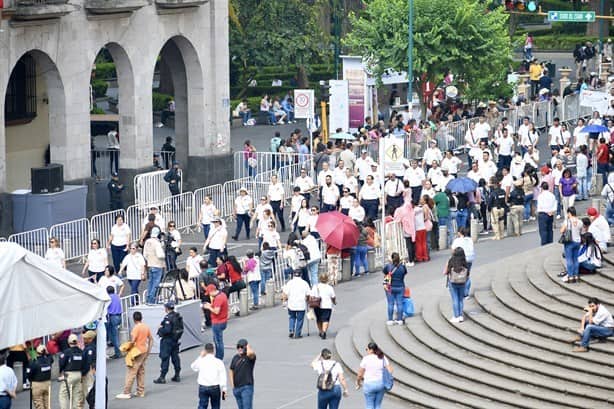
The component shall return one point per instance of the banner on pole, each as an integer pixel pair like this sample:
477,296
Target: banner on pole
596,100
304,103
354,73
393,155
339,110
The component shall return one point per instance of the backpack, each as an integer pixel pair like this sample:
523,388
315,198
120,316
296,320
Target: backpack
458,277
177,326
326,382
275,142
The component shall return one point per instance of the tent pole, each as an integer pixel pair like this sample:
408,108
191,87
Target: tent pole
101,363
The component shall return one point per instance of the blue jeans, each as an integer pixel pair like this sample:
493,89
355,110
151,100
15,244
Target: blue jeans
254,287
266,276
603,168
595,331
544,223
245,116
242,219
451,219
582,188
209,393
206,229
527,205
557,195
213,254
134,286
461,218
609,212
295,324
244,396
113,323
395,298
155,276
312,268
571,257
329,399
361,259
218,339
468,286
374,394
457,292
5,402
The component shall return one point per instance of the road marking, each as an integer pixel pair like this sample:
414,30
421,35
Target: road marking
289,404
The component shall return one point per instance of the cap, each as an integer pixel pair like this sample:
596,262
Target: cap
363,151
114,174
545,170
170,305
41,349
72,339
592,212
89,335
210,288
243,188
242,343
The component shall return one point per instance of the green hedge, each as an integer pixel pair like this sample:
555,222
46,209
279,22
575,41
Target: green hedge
558,41
259,91
159,101
100,88
105,71
252,102
97,111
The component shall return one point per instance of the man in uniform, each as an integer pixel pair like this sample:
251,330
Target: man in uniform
497,211
89,362
170,332
115,192
71,363
39,373
173,178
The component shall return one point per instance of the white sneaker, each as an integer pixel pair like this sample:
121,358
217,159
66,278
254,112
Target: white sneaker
123,396
454,320
410,264
399,322
558,216
461,319
390,322
531,218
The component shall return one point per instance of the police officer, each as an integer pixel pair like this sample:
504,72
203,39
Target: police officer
39,373
173,178
169,334
71,363
115,192
89,362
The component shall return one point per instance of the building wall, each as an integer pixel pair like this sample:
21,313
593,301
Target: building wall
66,49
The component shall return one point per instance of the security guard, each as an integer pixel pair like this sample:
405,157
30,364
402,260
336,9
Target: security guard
39,373
173,178
71,363
115,192
169,343
498,207
89,362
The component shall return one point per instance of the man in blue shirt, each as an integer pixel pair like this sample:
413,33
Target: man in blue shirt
114,320
8,382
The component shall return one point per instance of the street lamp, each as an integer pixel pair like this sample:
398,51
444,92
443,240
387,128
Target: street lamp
410,55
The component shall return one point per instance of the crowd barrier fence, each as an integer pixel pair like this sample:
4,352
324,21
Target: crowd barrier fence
246,164
180,209
101,224
217,197
151,187
35,241
74,237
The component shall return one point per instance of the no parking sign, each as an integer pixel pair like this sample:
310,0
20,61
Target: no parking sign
303,103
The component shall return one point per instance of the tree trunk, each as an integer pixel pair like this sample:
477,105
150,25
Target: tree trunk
592,29
301,74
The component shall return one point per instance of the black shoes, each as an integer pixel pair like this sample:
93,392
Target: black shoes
176,378
323,335
291,335
160,380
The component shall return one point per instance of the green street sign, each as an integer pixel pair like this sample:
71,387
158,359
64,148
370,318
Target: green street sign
571,16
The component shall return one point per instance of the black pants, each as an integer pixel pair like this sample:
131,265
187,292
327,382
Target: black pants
278,212
411,249
415,193
392,203
169,349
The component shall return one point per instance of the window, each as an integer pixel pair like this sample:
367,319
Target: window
20,102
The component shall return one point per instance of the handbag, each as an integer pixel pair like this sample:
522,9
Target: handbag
387,378
314,301
566,235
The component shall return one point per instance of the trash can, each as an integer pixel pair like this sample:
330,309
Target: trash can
551,70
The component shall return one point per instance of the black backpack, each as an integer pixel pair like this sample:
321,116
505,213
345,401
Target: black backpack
326,382
176,326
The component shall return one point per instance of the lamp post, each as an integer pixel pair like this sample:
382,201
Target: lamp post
410,55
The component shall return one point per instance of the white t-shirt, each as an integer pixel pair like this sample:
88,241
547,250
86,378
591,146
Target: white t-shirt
56,256
326,293
134,266
113,281
207,211
243,204
555,134
506,146
467,245
297,291
373,367
414,176
276,192
451,165
192,264
270,236
328,365
580,138
121,234
357,213
97,260
482,129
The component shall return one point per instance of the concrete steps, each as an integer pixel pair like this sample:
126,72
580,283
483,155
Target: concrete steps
512,351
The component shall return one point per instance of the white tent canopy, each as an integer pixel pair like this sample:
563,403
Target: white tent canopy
38,298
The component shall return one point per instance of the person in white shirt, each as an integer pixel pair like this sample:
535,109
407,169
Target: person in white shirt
207,212
55,254
464,241
211,378
110,279
313,246
216,241
416,177
451,163
507,182
118,241
579,137
305,184
345,203
271,236
295,202
261,208
276,199
472,141
482,128
351,183
330,195
597,322
508,126
517,166
565,135
363,167
523,134
599,228
296,292
428,189
327,299
557,174
546,208
158,219
347,156
582,173
487,167
134,266
242,210
356,212
531,157
323,173
435,174
324,362
339,174
474,174
393,193
369,197
432,153
555,134
531,139
192,263
505,149
97,261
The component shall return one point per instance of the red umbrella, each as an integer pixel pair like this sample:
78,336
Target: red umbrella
337,230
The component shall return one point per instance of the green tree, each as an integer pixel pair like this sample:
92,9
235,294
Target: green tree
462,36
276,32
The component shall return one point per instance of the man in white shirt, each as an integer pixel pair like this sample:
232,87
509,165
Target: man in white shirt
330,195
523,134
242,209
599,228
393,193
369,197
531,157
296,292
474,173
597,322
487,167
582,173
211,378
432,153
339,175
276,199
323,173
357,212
505,148
363,167
216,241
579,137
416,177
351,183
507,182
451,163
482,129
517,166
546,208
313,246
305,183
435,174
555,134
347,156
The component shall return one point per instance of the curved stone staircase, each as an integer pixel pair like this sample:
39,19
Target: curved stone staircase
512,351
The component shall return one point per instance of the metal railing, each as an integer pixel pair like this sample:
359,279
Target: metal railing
180,209
35,241
251,164
101,224
151,187
74,237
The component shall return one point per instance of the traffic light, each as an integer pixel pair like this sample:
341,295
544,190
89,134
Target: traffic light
521,5
324,91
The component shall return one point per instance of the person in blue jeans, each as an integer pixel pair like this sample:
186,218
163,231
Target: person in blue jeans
241,375
329,398
457,272
114,320
370,376
572,247
597,322
394,285
361,249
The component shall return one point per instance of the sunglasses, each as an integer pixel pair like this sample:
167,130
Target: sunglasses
132,248
171,225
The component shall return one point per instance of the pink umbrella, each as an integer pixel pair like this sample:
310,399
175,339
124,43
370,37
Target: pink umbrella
337,230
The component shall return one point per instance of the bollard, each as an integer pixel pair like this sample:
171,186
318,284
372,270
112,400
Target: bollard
346,271
243,302
55,367
124,336
510,225
443,237
596,185
371,260
599,204
475,230
269,298
18,372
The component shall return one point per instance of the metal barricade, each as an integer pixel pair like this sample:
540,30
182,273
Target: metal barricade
251,164
180,209
395,241
74,237
231,191
135,217
151,187
260,189
279,276
104,162
540,114
127,302
457,131
216,192
287,176
35,241
101,224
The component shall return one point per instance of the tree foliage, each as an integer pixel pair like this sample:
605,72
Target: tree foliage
275,32
460,35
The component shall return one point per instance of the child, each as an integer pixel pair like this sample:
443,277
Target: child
408,304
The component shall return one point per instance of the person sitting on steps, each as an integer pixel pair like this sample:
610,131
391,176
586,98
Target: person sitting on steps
597,322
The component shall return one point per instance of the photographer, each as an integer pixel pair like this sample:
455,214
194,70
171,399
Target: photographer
597,322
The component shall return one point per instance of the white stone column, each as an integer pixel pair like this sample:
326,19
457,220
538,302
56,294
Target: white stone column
219,103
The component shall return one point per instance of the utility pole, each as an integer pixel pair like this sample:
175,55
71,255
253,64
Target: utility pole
410,55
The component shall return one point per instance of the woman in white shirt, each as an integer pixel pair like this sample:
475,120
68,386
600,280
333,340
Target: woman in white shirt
263,222
565,134
118,241
330,399
301,218
371,376
134,265
311,223
345,203
271,236
55,254
97,261
192,263
207,212
185,289
327,300
110,279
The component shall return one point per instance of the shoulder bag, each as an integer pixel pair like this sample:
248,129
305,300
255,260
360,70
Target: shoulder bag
315,300
387,378
566,235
